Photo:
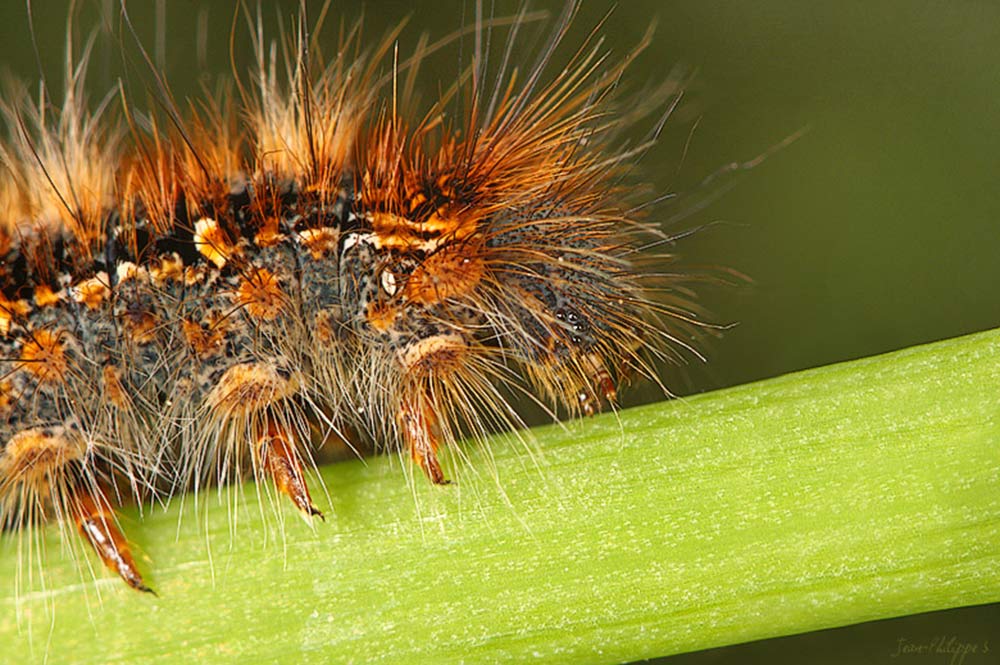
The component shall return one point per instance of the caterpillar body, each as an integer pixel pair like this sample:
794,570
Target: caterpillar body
186,299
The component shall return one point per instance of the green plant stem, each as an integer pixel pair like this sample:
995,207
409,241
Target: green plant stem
853,492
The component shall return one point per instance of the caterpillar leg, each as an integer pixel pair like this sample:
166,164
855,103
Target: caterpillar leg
95,520
246,399
279,459
43,469
418,423
602,386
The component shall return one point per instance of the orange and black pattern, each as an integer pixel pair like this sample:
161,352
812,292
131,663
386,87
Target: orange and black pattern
186,299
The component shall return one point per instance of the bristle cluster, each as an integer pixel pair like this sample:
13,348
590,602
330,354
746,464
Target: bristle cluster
186,299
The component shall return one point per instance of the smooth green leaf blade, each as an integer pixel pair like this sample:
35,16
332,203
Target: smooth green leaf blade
859,491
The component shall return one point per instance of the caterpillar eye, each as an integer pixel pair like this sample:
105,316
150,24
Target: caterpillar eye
388,282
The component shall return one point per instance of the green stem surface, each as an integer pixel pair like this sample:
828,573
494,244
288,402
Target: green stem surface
853,492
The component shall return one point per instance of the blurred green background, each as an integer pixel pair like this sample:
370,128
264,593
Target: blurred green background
876,230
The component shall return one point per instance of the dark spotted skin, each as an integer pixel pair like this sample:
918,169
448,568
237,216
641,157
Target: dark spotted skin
159,287
329,287
89,337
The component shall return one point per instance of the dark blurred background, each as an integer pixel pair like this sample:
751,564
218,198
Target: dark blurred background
876,230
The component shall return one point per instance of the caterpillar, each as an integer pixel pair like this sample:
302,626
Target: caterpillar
189,298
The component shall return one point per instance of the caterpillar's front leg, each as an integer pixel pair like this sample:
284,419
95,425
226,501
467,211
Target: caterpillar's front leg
418,423
599,388
429,365
278,458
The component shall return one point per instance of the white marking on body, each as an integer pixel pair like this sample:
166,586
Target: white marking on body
352,239
388,282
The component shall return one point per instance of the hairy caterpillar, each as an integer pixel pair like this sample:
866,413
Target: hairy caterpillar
187,297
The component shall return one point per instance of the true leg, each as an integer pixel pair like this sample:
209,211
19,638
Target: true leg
279,458
95,519
418,423
602,386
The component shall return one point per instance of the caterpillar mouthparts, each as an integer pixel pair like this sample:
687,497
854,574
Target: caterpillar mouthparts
186,298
